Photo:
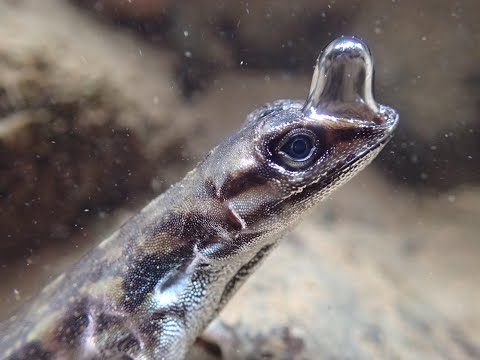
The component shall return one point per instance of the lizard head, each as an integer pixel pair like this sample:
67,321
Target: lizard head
289,154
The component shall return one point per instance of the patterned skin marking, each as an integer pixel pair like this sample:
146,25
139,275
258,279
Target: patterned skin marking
148,290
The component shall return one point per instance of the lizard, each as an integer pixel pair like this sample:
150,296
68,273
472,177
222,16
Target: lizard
149,289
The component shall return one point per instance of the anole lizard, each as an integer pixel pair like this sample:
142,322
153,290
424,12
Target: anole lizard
149,290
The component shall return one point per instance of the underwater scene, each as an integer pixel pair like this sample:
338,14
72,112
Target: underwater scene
239,180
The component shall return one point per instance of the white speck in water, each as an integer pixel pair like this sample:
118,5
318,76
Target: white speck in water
451,198
16,294
86,210
185,33
424,38
188,54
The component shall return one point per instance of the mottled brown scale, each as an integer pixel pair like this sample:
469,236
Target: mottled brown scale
240,182
33,350
149,289
71,328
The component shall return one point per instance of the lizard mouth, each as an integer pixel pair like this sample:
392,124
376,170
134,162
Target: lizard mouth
389,120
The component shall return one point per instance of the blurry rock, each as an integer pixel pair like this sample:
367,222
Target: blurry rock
211,36
427,66
141,10
279,343
79,135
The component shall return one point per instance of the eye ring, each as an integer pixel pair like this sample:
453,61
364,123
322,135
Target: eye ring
296,150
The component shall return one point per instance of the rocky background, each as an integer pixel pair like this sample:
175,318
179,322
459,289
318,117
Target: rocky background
105,103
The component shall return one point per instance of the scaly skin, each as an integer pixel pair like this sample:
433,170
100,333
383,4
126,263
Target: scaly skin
148,290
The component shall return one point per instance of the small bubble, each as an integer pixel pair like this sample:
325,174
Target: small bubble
451,198
188,54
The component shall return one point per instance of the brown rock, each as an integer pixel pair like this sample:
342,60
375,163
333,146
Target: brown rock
75,130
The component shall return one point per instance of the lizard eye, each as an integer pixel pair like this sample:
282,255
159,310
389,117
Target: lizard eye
296,150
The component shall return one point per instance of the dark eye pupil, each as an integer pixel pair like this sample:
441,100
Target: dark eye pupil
298,147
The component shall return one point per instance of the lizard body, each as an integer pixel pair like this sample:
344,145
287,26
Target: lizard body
148,290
